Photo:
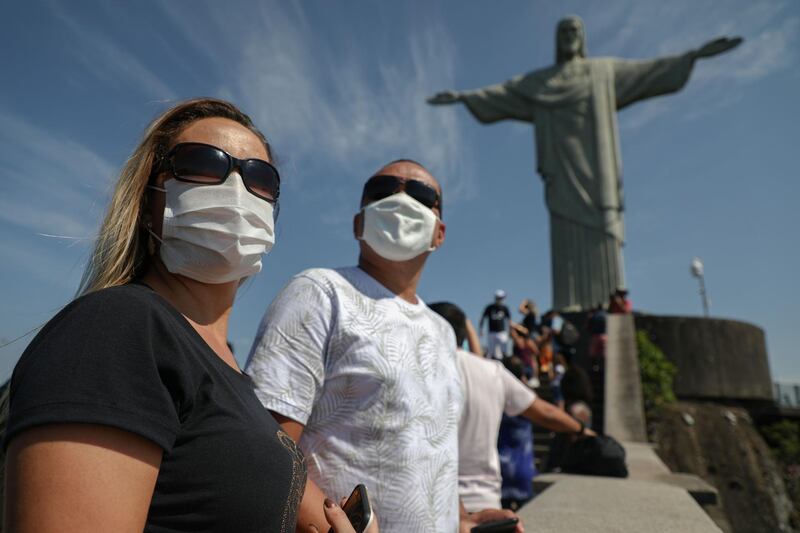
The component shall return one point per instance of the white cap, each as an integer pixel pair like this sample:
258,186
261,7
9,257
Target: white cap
499,294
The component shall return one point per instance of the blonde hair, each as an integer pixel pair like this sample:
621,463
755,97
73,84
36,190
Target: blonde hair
121,251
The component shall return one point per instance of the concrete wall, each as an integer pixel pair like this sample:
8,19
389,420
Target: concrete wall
715,358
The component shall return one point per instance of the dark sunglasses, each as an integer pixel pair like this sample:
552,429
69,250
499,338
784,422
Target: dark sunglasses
383,186
208,165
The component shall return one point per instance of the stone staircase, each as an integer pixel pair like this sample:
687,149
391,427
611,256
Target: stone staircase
542,437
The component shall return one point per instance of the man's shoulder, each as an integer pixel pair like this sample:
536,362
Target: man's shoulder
329,279
478,364
439,322
318,274
340,278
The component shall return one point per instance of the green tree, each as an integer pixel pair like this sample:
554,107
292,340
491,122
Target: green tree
657,374
784,439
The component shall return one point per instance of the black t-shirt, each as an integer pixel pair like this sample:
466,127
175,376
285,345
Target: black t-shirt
576,386
124,357
531,322
497,315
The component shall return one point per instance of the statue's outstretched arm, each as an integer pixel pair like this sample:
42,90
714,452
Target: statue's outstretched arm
444,97
717,46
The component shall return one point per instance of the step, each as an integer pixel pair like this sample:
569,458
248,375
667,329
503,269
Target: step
698,489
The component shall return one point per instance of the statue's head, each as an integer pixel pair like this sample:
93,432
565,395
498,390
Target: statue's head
570,39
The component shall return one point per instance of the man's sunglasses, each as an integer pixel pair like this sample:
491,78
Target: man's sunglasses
208,165
383,186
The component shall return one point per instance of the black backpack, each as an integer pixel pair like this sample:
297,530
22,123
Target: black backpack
569,335
595,456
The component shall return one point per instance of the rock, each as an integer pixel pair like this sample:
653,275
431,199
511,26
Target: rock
724,448
729,416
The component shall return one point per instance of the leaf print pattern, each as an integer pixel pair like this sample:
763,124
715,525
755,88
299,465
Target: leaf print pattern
374,380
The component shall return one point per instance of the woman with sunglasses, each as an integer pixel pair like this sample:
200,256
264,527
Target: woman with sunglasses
128,410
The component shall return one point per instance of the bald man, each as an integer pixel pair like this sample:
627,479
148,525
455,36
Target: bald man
358,371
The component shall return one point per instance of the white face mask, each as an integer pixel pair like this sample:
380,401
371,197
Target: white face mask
398,228
215,233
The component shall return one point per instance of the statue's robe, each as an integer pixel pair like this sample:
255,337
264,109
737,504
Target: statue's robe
573,106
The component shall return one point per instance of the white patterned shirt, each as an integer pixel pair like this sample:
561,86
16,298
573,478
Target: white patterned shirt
374,380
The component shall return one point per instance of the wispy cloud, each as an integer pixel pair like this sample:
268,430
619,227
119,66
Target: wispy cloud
769,51
770,46
349,108
35,256
103,57
50,184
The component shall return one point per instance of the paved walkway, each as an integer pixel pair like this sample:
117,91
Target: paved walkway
582,504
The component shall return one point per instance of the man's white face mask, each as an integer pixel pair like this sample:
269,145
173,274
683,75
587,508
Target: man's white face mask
215,233
398,227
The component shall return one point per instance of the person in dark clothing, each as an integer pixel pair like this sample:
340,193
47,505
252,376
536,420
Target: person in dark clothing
575,385
562,441
596,325
128,410
530,317
527,351
499,317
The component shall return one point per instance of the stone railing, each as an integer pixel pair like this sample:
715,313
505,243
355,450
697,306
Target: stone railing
787,394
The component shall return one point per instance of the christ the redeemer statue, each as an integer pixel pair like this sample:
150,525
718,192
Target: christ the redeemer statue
573,105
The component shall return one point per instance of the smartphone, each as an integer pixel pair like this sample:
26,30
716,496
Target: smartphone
508,525
358,509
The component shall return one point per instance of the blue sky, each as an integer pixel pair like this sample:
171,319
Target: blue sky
339,89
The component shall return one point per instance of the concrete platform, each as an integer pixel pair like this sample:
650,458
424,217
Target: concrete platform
645,465
699,490
581,504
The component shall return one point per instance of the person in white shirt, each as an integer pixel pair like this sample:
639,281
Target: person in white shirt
489,391
357,369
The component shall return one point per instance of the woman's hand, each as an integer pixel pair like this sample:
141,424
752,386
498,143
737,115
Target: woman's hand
338,519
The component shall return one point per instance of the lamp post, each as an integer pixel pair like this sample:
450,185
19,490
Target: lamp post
697,271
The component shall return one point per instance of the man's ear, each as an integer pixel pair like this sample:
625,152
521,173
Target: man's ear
438,234
358,225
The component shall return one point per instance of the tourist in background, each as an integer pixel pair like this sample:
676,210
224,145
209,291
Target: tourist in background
596,326
559,369
515,449
530,316
490,393
498,317
525,348
619,303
